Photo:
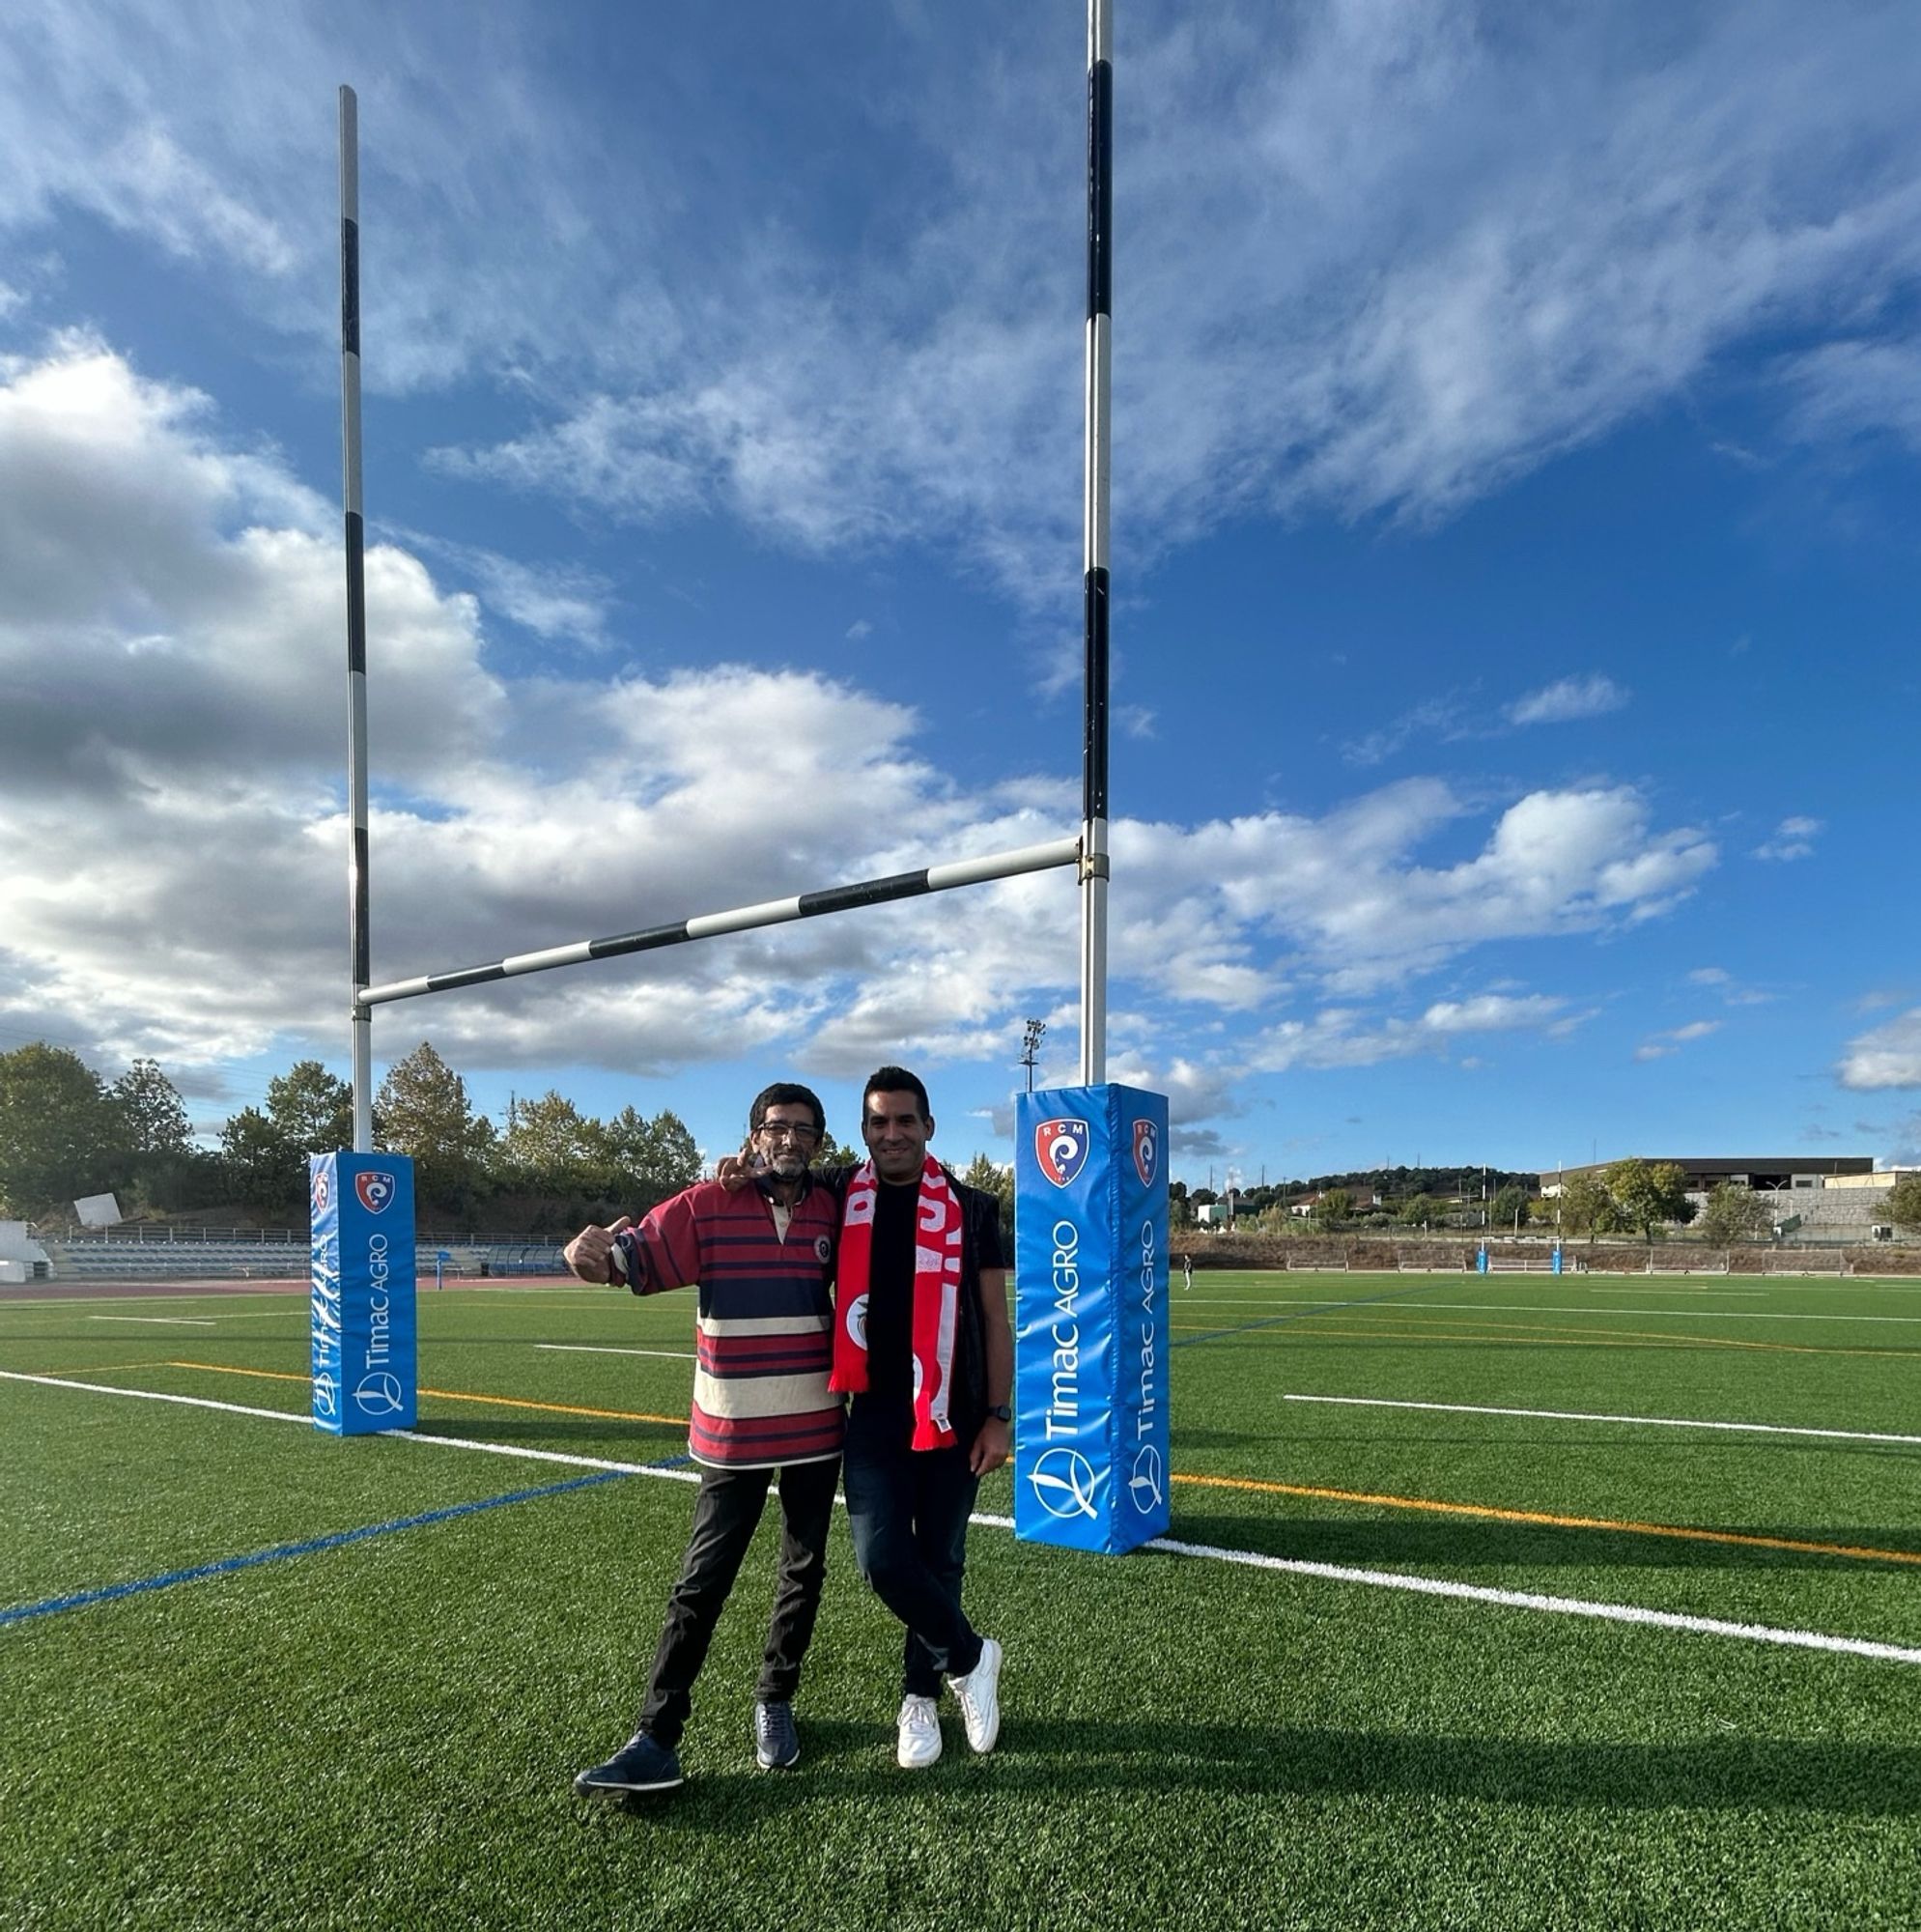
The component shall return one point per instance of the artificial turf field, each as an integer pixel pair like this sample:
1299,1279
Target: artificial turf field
380,1731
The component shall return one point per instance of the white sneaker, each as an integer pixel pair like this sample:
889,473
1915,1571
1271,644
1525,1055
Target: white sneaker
920,1734
979,1696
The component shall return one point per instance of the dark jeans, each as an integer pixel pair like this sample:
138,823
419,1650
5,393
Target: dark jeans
724,1517
908,1510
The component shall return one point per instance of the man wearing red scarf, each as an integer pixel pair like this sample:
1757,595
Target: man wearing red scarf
923,1348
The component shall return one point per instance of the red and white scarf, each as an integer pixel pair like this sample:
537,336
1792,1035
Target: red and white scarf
937,1278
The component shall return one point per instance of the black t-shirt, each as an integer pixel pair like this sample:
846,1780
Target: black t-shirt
890,1283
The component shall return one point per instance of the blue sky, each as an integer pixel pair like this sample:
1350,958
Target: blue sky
1514,557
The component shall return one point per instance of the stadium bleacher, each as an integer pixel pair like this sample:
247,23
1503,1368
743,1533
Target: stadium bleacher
276,1256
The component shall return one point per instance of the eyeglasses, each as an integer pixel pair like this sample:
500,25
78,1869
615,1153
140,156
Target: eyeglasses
776,1130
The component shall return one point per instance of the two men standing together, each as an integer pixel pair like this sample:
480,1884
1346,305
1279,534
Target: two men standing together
915,1337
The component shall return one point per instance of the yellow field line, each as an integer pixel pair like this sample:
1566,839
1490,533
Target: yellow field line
1493,1514
447,1395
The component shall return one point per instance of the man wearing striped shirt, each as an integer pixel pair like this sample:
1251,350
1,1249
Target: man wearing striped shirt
763,1258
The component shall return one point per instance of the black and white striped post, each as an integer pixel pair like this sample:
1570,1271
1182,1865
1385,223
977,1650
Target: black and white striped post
741,918
1093,766
356,622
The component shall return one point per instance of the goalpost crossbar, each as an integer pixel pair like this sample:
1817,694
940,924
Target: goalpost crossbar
740,919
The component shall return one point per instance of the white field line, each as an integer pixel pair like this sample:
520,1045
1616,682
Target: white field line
397,1434
1647,1288
586,1348
1668,1314
1178,1301
163,1320
1583,1415
155,1395
1528,1599
1379,1579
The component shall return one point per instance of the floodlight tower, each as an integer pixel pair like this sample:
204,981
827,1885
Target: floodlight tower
1030,1047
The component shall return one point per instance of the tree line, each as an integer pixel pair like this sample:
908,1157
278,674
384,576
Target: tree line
64,1133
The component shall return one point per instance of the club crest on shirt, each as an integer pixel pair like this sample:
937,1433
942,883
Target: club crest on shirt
1146,1150
1062,1148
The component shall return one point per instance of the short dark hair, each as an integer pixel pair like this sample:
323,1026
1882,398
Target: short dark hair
786,1094
896,1080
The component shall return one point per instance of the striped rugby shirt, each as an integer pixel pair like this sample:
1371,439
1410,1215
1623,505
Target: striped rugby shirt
764,1325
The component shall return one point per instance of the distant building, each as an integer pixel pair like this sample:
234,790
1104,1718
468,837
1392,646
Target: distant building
1764,1173
1359,1199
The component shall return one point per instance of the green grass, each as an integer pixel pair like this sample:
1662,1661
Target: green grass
383,1733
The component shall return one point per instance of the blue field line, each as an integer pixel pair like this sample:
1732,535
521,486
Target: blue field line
81,1599
1305,1313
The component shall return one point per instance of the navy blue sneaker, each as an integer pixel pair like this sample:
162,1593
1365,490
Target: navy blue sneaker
642,1764
776,1743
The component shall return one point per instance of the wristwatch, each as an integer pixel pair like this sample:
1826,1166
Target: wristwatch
999,1411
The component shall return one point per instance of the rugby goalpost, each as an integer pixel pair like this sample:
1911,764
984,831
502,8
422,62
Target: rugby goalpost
1091,1342
1087,851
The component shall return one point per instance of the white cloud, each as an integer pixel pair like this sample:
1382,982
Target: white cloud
1793,839
1341,1036
1860,387
1348,892
1661,1045
1378,259
171,621
554,600
1888,1056
1568,698
1709,975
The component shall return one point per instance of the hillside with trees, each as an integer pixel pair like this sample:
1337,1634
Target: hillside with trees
65,1134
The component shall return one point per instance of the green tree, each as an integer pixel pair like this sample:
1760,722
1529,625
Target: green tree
261,1162
646,1159
312,1109
1733,1214
991,1178
551,1146
1422,1211
150,1105
1649,1194
1587,1208
425,1114
1507,1208
1334,1207
1904,1202
165,1170
60,1135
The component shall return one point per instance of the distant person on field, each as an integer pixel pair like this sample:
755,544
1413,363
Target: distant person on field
763,1257
1187,1271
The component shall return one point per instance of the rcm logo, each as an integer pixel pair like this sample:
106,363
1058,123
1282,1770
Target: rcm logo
374,1190
1062,1148
1146,1150
320,1191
